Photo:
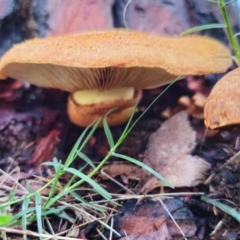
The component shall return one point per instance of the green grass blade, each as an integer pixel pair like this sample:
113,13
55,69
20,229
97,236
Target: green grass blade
230,211
53,210
86,159
56,163
54,185
38,209
230,2
89,135
25,206
56,198
12,195
236,34
74,152
29,187
6,220
87,179
108,132
123,136
146,167
130,120
64,215
24,212
20,199
53,164
72,155
77,146
32,217
72,179
202,28
59,211
86,203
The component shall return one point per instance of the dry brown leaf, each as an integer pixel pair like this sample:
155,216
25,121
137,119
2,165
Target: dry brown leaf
161,232
122,169
7,88
169,153
46,148
149,220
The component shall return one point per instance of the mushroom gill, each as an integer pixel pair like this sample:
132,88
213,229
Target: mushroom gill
107,69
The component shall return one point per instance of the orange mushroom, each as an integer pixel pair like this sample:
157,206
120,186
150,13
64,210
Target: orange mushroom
107,69
222,105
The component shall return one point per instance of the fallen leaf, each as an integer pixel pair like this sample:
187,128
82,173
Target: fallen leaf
45,149
149,219
169,153
161,233
9,89
124,170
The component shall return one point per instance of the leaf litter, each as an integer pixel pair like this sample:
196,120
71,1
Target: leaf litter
169,153
133,146
149,219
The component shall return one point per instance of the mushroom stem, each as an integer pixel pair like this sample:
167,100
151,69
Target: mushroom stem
95,96
82,114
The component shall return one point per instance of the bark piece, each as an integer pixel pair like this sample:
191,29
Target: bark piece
75,16
172,17
161,17
6,8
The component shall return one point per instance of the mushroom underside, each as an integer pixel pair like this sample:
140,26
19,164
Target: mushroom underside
72,79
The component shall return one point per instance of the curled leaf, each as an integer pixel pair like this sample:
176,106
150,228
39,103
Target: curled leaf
169,153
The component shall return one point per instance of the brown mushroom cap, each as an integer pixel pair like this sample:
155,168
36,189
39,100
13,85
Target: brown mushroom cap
112,59
222,107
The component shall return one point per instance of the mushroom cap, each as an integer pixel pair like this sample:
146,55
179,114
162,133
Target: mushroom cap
110,59
222,107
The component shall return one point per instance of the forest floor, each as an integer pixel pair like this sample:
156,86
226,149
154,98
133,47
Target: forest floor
34,128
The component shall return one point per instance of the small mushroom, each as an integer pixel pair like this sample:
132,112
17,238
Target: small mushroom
195,109
108,69
222,106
